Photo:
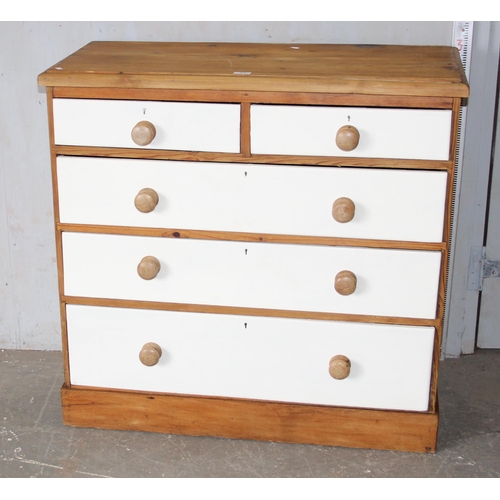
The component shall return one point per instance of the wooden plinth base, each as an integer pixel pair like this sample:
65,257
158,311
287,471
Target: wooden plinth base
254,420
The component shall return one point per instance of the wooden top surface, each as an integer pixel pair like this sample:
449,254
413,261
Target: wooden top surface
359,69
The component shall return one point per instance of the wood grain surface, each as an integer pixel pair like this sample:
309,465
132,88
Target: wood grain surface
247,419
407,70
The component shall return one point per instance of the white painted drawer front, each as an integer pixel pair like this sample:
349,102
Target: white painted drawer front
384,133
390,204
251,357
179,125
262,275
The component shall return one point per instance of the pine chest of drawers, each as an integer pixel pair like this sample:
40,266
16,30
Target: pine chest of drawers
252,239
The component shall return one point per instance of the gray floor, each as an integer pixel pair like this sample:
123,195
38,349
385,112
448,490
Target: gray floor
34,443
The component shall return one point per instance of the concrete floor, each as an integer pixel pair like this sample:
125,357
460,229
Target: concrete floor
34,442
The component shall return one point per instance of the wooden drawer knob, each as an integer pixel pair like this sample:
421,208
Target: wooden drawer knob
343,210
339,367
148,268
347,138
143,133
345,282
146,200
150,354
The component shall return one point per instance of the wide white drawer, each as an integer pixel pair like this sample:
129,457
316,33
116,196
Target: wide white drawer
383,133
389,204
251,357
260,275
179,125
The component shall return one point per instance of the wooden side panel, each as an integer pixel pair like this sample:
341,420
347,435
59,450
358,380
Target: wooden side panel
244,419
446,254
58,234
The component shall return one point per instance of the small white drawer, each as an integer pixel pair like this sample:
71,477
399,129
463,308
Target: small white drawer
178,125
422,134
251,357
400,283
405,205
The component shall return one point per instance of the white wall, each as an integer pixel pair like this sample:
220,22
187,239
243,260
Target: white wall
29,310
464,309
